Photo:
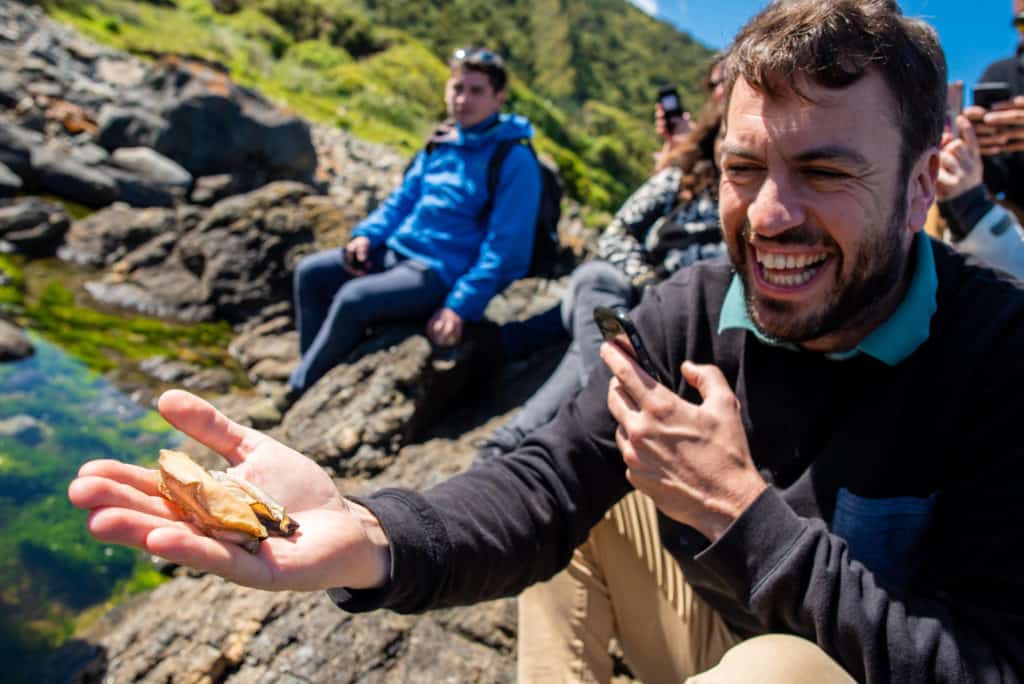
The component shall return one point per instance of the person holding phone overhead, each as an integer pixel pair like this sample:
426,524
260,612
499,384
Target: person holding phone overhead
997,115
833,466
423,253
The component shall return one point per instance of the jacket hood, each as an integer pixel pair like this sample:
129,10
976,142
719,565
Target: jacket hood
507,127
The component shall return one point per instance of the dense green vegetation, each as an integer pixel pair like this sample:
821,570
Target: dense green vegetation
586,71
50,568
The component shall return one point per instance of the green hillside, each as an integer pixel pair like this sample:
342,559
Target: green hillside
586,71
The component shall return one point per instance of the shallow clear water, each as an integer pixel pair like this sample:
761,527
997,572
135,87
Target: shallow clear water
55,414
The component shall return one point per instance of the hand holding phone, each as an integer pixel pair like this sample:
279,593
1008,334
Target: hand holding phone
357,253
987,93
672,107
617,327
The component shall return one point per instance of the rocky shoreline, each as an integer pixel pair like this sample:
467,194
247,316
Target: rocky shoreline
204,197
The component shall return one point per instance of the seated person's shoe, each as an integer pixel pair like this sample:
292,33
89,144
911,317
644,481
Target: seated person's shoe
283,397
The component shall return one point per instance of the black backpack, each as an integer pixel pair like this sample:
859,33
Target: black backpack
546,247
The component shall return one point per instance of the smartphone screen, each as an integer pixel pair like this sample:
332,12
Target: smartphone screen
670,103
617,327
988,93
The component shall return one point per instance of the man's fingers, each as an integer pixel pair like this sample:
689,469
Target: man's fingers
635,380
99,492
230,561
621,404
204,423
143,479
967,132
709,381
127,527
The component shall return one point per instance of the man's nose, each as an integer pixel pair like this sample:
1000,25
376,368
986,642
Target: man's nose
776,209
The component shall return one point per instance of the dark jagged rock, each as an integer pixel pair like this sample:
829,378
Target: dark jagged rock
237,260
153,167
16,145
10,183
128,127
136,191
54,171
14,344
113,232
33,226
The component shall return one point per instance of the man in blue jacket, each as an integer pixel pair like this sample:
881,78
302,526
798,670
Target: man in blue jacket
427,252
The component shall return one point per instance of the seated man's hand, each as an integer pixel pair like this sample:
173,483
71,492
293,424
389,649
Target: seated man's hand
338,543
444,328
693,461
960,167
357,255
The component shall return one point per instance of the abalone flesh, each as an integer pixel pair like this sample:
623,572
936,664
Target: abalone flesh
220,505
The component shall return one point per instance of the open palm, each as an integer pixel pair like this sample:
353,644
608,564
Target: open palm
337,544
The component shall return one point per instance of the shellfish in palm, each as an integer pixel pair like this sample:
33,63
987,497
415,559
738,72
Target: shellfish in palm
220,505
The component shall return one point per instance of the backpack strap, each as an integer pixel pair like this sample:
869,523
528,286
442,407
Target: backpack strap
501,151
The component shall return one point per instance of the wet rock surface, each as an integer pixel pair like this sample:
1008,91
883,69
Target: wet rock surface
14,344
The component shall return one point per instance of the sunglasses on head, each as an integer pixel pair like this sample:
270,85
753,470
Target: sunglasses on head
475,56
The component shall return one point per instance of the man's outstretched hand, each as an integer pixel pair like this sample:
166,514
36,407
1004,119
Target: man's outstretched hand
338,543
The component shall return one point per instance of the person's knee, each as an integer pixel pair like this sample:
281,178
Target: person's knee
599,276
775,658
314,269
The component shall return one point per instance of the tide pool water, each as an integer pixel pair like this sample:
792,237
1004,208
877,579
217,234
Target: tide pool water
55,414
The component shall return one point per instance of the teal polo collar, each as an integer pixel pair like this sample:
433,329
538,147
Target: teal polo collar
892,342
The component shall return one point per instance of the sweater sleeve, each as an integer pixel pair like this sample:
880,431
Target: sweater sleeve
385,219
621,244
507,248
985,230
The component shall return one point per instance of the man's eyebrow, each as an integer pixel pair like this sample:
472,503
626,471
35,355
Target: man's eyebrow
735,150
836,153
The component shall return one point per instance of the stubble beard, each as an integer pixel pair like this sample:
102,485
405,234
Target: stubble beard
849,305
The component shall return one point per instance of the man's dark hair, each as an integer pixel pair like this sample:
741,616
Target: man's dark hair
483,60
834,43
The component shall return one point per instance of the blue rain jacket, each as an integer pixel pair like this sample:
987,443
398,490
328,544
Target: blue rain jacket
432,216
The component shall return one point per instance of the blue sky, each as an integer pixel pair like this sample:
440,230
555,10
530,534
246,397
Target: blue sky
973,33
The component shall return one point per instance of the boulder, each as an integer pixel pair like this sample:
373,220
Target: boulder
10,183
136,191
111,233
34,226
215,126
56,172
14,344
152,166
231,265
24,429
16,145
128,127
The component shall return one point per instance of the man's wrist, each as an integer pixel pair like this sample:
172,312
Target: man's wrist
720,516
379,549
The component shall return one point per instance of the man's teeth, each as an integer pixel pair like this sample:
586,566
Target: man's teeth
774,266
779,261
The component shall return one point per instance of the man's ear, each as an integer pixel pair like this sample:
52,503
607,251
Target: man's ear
501,96
921,190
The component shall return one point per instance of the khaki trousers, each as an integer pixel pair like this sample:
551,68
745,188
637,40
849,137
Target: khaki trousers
622,583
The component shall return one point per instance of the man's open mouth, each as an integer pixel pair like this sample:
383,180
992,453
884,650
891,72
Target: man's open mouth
790,270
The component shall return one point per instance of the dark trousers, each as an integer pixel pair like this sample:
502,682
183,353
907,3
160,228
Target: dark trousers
334,307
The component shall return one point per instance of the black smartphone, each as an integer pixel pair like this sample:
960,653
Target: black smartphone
988,93
668,97
617,328
354,262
